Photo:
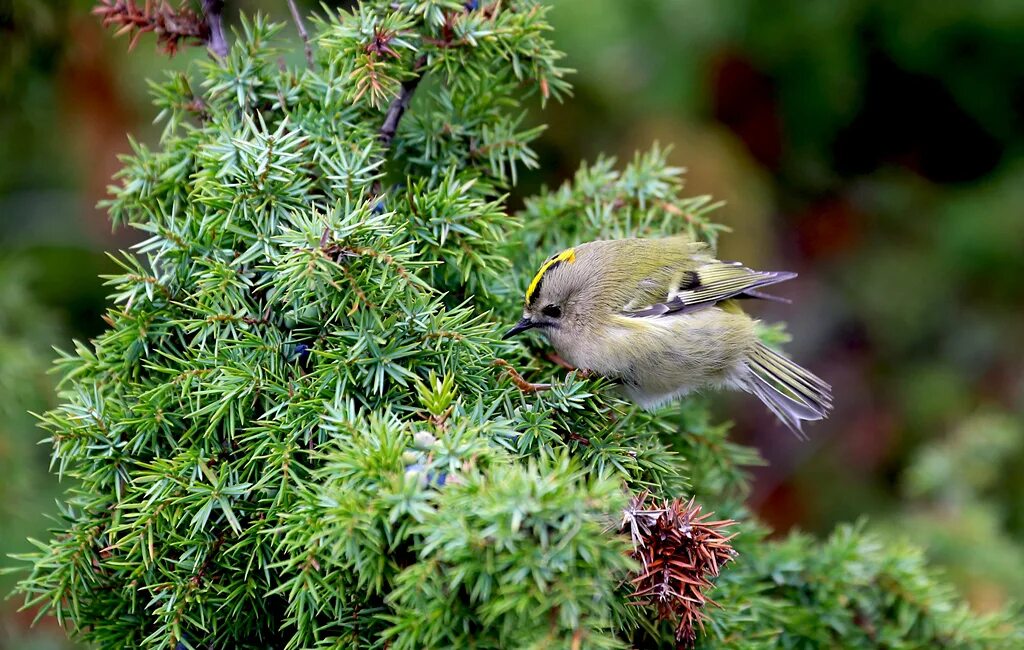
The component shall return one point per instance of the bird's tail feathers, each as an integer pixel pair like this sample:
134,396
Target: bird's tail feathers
792,393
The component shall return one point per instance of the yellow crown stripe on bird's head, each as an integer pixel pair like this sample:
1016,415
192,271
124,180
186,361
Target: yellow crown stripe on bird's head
568,255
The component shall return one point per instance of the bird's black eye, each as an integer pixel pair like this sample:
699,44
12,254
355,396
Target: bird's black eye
552,311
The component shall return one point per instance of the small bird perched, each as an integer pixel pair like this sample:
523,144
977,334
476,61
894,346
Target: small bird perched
662,317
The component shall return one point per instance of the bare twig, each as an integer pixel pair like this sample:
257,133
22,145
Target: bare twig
396,109
301,26
398,105
217,43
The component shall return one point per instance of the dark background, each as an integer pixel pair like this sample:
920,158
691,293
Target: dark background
873,146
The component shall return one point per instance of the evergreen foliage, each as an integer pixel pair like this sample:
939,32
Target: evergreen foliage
302,430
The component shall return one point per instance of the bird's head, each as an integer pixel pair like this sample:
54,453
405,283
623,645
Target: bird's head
550,298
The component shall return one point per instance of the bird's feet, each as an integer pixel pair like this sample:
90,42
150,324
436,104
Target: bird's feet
517,379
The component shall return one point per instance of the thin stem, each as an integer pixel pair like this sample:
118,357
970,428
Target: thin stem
217,43
301,26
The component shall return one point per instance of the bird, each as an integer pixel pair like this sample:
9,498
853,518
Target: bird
662,318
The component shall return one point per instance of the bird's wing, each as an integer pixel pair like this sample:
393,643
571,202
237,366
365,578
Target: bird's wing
708,284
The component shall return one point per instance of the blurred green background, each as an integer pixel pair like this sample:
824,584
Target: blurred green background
875,147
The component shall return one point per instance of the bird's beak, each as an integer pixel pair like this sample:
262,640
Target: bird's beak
523,325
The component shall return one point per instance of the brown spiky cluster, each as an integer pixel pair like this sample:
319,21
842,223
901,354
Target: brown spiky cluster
680,552
171,26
